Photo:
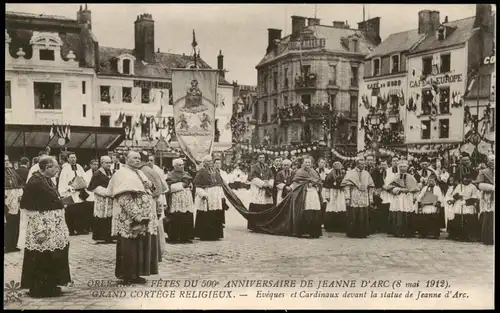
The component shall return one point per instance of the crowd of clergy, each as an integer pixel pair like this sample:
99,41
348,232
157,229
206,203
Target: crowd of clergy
131,202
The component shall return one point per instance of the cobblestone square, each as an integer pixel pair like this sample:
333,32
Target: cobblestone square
468,267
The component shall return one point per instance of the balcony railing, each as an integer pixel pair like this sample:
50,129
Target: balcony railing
305,81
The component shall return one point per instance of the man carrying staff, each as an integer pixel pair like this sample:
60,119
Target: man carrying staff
134,222
208,202
180,228
103,206
262,182
358,187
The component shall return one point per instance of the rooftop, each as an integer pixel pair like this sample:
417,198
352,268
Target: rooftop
40,16
164,62
333,36
397,42
463,29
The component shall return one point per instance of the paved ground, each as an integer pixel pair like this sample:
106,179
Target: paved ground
467,268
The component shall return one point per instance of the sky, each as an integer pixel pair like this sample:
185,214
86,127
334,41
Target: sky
238,30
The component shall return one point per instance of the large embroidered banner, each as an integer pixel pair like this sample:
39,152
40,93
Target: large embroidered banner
194,93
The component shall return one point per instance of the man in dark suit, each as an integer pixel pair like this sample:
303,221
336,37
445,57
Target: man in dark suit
276,168
23,169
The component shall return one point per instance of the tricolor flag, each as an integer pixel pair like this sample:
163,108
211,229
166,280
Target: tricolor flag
194,43
51,134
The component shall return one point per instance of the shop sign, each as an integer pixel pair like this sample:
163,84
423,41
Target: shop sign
390,83
152,84
437,80
490,60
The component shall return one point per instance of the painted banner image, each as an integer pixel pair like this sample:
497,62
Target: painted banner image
194,93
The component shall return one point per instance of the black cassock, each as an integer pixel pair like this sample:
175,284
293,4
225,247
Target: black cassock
101,225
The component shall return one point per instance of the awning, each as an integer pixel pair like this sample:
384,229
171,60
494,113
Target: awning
82,137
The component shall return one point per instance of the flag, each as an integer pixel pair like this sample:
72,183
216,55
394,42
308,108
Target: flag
194,43
51,134
68,133
195,97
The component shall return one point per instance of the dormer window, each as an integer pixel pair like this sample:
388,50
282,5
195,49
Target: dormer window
441,32
376,67
395,63
125,64
47,55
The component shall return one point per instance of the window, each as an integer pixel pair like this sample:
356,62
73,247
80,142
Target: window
307,70
441,32
394,128
128,121
445,63
126,66
353,134
444,128
275,81
353,107
426,130
354,45
127,94
285,101
265,82
395,64
286,78
8,99
493,119
333,79
47,55
84,110
145,95
444,100
146,127
274,110
332,98
84,87
376,67
47,96
354,76
105,97
306,99
426,101
105,120
264,113
427,66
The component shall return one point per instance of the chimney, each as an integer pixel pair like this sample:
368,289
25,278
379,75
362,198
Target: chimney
372,28
145,38
272,36
338,24
428,21
298,23
313,21
483,16
84,16
220,64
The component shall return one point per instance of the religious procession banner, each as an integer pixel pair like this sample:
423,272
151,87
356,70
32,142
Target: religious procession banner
194,93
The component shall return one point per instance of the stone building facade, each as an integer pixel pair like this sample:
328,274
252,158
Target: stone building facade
308,83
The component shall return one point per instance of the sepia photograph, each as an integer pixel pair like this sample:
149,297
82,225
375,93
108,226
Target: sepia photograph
249,156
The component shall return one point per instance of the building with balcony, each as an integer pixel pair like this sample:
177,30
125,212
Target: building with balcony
441,68
244,108
383,89
308,83
49,85
134,90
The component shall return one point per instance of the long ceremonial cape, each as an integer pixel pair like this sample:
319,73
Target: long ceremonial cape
282,219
